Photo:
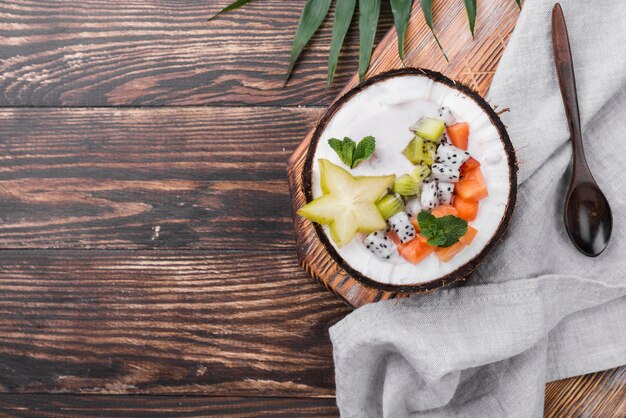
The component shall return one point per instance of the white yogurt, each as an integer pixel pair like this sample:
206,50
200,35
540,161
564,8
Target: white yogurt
385,110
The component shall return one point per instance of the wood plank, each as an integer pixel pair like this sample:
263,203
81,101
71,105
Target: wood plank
163,406
68,53
600,394
164,322
202,177
192,322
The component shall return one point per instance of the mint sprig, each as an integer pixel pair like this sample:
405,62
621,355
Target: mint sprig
352,154
441,232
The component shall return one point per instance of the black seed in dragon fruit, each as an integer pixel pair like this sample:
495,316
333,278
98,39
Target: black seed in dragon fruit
444,192
445,173
445,114
451,156
445,139
379,244
403,227
429,198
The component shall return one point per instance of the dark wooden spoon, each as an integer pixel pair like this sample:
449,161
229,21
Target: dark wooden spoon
587,213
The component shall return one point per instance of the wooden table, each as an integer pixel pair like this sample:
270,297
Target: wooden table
145,227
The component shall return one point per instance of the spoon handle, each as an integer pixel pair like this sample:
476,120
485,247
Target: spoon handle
567,82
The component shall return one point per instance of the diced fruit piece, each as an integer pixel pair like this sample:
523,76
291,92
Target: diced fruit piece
445,114
444,192
417,250
402,226
389,205
416,225
459,135
451,156
446,254
406,185
444,210
420,172
420,151
391,234
472,186
469,165
468,209
429,199
469,236
429,128
445,173
379,244
348,203
413,206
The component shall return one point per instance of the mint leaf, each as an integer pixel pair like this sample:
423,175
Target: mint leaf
454,228
336,144
364,150
344,149
347,154
441,232
350,153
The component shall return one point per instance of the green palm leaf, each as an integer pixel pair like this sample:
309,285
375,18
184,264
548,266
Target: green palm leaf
470,6
401,11
427,8
344,11
234,5
369,10
311,18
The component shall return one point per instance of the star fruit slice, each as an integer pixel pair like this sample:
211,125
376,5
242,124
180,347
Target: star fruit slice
347,204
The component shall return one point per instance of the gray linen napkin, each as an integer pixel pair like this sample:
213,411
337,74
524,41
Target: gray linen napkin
536,310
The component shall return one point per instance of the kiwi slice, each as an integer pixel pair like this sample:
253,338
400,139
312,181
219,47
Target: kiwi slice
430,129
420,151
420,172
406,185
389,205
348,203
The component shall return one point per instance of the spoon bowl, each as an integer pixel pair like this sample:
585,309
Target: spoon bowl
588,218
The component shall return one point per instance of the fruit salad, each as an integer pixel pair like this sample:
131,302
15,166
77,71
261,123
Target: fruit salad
422,213
410,180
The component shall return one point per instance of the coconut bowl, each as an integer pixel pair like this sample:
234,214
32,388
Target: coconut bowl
322,259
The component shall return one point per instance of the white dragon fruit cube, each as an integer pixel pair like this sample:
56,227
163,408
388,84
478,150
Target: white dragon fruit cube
403,227
444,192
379,244
451,156
429,200
413,207
445,173
445,114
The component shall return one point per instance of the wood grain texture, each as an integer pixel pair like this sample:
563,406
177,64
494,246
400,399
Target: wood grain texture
163,406
199,177
162,322
601,394
240,318
146,52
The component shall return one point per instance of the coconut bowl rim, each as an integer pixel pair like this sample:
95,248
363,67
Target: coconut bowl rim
462,272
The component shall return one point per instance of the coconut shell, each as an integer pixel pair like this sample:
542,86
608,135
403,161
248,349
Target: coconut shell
317,254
